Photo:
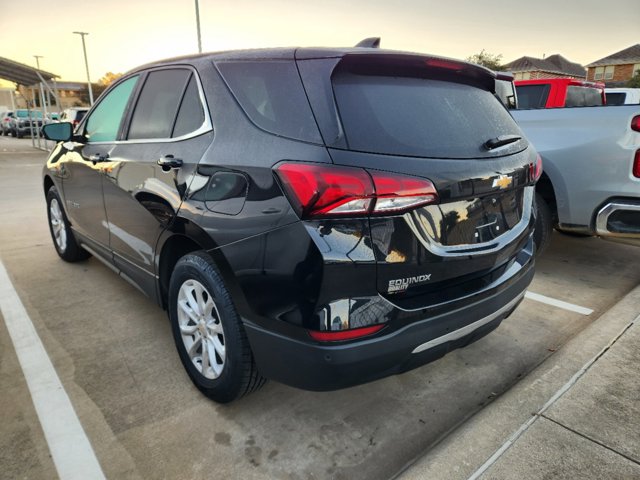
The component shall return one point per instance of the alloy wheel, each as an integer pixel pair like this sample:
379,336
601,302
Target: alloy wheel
57,225
201,329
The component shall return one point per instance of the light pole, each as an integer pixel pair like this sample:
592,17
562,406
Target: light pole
86,64
198,26
38,57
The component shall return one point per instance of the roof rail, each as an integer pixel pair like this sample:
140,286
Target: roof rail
371,42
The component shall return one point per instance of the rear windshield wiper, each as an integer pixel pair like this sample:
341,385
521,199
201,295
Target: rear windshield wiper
500,141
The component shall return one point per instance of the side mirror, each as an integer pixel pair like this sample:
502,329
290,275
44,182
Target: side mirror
59,132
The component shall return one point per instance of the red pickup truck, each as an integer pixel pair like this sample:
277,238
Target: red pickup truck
559,92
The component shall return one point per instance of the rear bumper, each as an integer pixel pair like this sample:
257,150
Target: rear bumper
619,219
315,366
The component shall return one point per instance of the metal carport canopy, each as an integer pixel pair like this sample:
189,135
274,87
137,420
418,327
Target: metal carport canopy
22,74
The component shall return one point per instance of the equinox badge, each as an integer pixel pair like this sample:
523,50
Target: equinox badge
401,284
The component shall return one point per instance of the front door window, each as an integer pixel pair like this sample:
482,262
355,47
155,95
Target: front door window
104,123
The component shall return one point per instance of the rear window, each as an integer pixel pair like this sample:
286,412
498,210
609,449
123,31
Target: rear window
532,96
583,97
421,117
271,94
25,114
616,98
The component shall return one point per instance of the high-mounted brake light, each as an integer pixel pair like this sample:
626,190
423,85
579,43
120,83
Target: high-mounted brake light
535,169
446,64
636,165
317,190
341,335
635,123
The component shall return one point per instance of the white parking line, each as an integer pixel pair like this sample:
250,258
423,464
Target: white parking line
68,443
558,303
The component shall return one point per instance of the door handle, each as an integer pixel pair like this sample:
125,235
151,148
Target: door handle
169,161
99,157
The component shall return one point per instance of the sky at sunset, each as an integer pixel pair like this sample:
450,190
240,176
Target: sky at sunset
127,33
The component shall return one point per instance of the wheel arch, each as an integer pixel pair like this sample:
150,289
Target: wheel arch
47,183
545,189
182,238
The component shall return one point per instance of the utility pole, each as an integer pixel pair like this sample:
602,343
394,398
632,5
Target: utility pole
86,64
198,26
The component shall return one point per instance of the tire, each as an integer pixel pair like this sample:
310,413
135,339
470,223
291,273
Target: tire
61,234
544,225
230,372
13,133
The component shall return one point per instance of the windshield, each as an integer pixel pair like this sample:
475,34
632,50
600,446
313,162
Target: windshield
421,117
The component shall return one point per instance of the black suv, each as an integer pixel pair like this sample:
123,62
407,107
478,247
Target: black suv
321,217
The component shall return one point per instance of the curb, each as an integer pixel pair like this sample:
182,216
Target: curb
471,448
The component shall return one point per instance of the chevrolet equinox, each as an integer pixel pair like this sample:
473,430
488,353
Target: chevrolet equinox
320,217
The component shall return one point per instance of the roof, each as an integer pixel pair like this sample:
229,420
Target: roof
552,64
623,57
307,53
22,74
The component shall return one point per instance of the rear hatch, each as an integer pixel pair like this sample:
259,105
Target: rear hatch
440,120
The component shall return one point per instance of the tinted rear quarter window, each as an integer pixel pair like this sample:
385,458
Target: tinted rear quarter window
532,96
582,97
191,114
271,94
158,103
420,116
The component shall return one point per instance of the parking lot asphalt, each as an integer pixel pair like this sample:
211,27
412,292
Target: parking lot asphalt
113,351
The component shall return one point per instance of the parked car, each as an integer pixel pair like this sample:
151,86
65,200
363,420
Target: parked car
559,92
5,122
321,217
25,122
591,180
73,115
622,96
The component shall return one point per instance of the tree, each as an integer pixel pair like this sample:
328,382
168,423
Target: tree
486,59
97,88
108,78
635,81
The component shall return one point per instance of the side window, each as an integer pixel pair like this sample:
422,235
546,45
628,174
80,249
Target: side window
104,122
191,114
158,104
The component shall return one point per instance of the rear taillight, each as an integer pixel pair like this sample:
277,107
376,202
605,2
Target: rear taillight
535,169
635,123
636,165
341,335
317,190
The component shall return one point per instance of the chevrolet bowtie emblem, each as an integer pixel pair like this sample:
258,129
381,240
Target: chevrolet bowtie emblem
502,182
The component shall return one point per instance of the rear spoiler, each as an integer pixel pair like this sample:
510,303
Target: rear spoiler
410,64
